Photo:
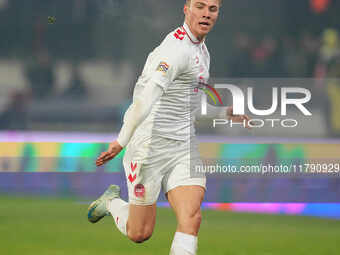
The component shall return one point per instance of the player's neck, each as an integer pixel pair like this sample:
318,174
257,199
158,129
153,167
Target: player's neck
194,38
200,38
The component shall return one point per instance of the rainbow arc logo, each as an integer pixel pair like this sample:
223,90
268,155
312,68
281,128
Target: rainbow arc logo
211,92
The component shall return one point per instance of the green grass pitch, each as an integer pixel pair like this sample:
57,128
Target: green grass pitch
50,226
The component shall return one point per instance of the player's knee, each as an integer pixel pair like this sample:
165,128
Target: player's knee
140,236
196,218
190,223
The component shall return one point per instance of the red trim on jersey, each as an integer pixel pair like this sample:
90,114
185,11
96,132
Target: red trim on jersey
190,37
133,166
179,34
132,178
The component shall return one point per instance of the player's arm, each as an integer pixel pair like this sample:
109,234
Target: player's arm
170,63
137,113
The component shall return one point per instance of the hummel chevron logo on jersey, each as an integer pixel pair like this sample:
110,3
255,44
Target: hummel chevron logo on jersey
132,178
179,34
133,167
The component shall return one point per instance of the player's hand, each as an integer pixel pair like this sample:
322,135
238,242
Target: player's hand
112,152
238,118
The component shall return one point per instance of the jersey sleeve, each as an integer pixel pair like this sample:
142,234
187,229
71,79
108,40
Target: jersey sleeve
138,111
169,64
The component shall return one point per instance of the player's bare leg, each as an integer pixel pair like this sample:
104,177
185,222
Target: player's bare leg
141,222
135,221
186,202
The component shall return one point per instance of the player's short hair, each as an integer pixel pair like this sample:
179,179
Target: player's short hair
187,2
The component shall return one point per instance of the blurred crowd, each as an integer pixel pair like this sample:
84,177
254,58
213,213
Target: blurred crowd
286,57
272,57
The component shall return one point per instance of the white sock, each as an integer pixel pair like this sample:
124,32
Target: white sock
119,210
184,244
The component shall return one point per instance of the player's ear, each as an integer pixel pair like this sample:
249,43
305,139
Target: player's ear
185,9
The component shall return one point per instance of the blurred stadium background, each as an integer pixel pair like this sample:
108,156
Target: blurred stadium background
67,71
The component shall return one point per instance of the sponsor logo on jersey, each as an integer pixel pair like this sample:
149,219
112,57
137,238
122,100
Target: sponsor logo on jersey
163,67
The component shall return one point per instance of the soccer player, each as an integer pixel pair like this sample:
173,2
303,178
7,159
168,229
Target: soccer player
158,133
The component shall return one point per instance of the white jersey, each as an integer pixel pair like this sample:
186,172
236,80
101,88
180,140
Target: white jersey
178,65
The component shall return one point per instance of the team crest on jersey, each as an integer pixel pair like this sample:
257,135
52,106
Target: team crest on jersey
139,190
163,67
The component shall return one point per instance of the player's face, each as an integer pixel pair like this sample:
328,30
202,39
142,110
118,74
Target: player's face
201,16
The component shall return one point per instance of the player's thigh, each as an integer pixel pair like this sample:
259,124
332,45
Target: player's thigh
185,189
142,219
186,199
143,182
